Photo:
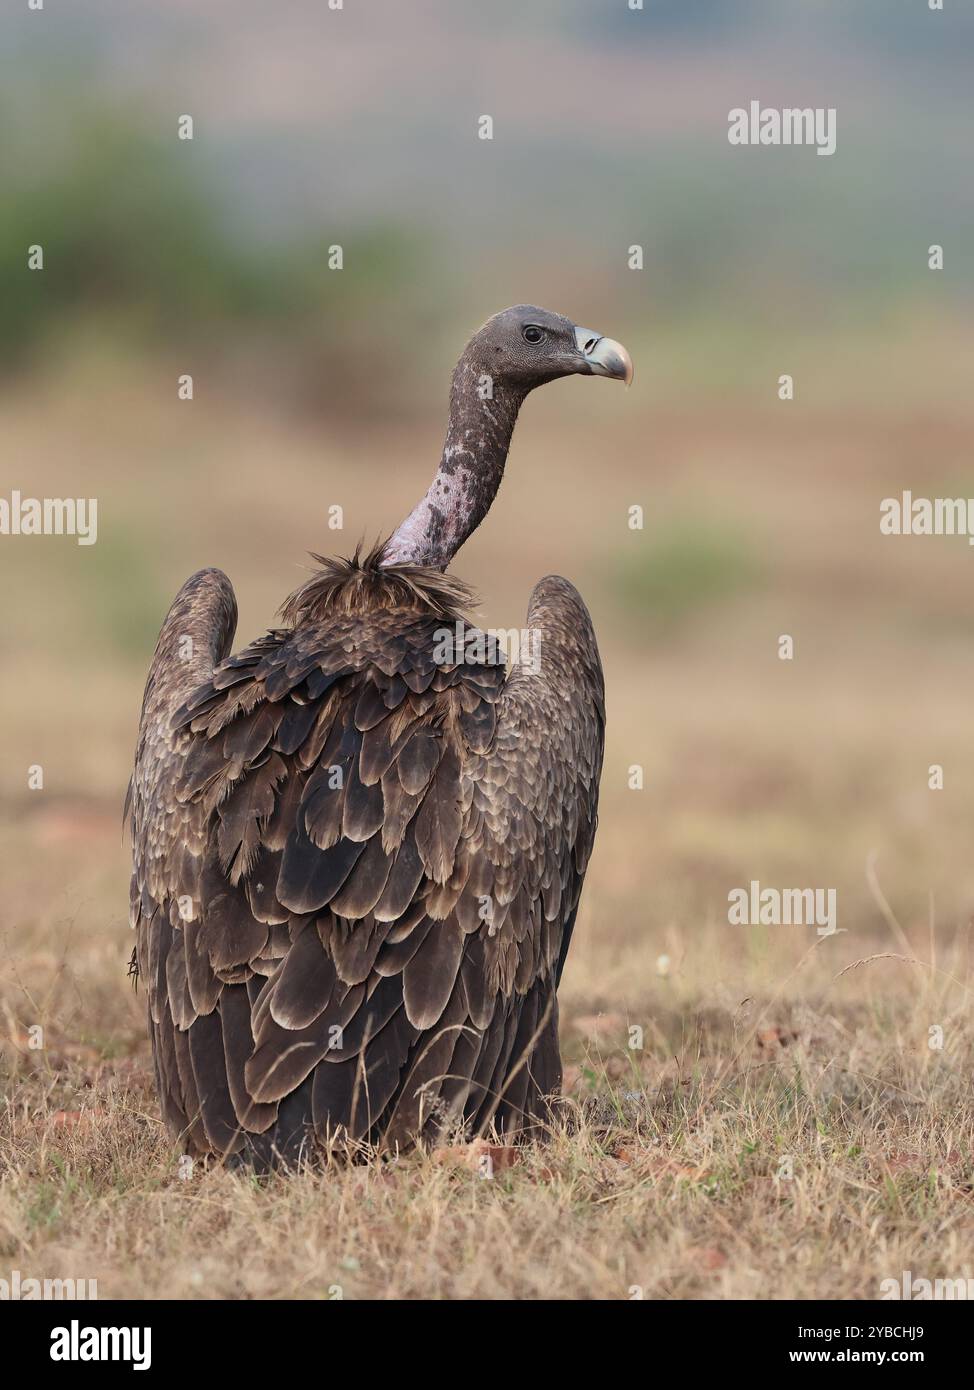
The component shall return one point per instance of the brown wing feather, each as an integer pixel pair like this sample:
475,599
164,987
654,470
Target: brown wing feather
356,869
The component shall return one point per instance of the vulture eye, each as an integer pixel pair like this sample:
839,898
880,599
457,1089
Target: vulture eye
531,333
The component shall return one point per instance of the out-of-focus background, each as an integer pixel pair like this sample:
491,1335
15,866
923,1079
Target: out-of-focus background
314,387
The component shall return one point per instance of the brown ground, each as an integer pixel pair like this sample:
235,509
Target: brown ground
786,1129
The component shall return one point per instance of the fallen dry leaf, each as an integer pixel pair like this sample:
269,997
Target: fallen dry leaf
71,1119
653,1164
479,1157
773,1039
707,1257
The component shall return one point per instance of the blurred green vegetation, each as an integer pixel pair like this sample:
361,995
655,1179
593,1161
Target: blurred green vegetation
213,253
687,567
124,591
134,239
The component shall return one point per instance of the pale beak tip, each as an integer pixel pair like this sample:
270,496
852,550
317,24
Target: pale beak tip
616,361
604,356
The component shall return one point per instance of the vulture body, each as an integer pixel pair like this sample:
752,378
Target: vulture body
359,844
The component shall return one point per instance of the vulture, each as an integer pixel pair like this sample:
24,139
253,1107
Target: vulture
359,843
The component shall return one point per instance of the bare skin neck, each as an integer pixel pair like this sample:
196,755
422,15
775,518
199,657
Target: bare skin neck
482,418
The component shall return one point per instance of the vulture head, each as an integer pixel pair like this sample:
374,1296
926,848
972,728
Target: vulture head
525,346
515,351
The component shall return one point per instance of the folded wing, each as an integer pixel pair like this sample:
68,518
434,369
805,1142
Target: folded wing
359,851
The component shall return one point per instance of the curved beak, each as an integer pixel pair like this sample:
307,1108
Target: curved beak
603,356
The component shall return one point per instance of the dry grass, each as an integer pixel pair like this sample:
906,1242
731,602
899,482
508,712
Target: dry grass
766,1052
809,1144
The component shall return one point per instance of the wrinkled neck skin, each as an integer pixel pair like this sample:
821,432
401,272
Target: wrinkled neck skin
470,470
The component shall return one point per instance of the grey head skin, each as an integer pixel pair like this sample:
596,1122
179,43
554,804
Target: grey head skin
515,351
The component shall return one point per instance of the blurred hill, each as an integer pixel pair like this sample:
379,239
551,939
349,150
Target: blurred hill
357,127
